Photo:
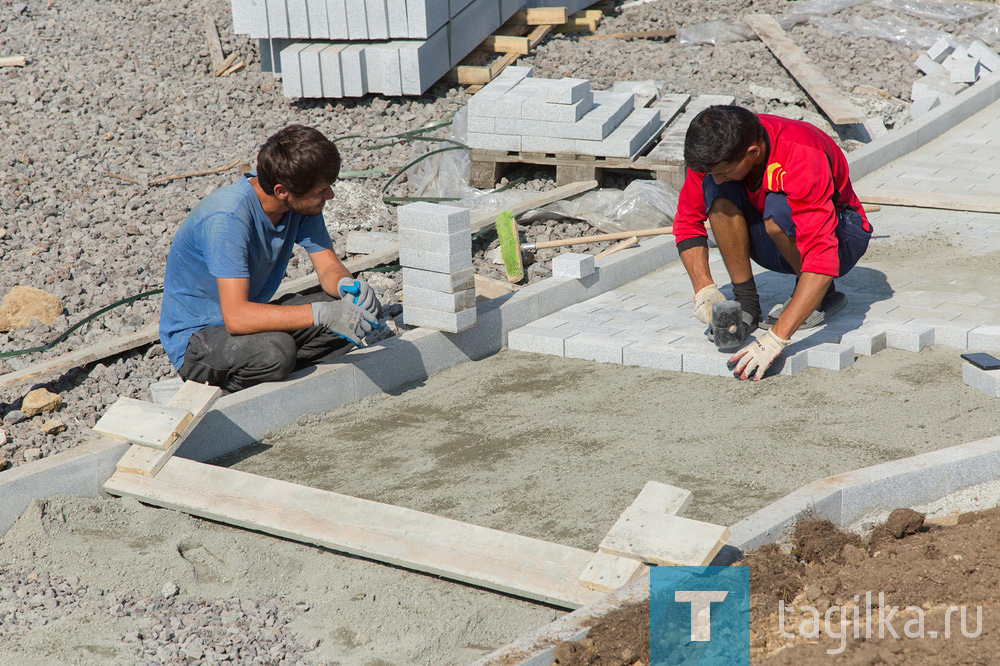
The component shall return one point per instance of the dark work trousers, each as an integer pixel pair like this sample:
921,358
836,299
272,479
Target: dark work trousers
234,362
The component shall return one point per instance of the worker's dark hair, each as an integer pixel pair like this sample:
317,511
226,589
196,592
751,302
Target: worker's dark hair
298,157
720,134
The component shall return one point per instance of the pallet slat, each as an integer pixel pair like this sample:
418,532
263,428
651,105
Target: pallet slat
518,565
142,423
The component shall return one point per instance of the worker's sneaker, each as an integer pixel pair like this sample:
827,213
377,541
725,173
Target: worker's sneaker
832,303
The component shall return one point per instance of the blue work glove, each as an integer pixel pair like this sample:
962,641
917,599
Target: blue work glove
344,318
362,295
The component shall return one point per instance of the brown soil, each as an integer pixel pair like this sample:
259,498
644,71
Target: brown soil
921,569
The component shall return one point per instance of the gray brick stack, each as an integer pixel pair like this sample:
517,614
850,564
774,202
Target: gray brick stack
517,112
435,251
350,48
949,67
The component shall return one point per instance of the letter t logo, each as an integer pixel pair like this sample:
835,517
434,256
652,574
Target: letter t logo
701,610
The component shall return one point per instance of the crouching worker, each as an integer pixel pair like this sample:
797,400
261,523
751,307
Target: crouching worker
776,191
229,257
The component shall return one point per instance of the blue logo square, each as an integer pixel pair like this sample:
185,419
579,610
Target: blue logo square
699,615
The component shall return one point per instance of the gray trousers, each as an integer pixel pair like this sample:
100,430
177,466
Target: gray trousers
234,362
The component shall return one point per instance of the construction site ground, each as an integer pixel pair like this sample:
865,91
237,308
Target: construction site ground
538,445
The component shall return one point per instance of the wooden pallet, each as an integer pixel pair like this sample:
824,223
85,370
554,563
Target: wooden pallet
662,156
517,37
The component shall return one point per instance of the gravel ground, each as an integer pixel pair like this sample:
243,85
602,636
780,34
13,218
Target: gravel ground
136,99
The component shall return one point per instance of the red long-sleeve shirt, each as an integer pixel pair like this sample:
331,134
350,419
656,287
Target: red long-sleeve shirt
806,166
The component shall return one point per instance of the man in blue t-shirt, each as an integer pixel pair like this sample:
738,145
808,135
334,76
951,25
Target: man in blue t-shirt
229,257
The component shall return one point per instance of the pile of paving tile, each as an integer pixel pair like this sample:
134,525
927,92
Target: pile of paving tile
517,112
349,48
949,67
435,251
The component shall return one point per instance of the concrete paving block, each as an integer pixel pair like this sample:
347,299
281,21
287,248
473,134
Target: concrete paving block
925,102
298,19
643,92
552,112
866,341
568,91
929,66
240,18
987,57
625,140
985,338
483,125
423,63
377,19
949,334
329,64
437,300
336,19
909,337
396,15
434,261
963,69
310,70
939,84
392,80
707,362
453,322
539,340
426,17
354,70
319,24
433,218
291,77
596,348
369,242
572,265
357,20
460,241
253,19
987,381
830,356
277,19
790,364
162,391
437,281
494,141
471,26
942,48
650,354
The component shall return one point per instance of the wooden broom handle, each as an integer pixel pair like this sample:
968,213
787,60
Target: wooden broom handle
621,235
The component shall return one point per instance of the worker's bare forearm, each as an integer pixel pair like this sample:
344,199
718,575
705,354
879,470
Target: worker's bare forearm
807,296
695,260
260,317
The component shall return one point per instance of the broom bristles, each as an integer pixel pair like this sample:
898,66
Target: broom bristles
510,249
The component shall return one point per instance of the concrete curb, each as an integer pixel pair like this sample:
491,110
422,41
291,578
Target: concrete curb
241,419
928,127
843,499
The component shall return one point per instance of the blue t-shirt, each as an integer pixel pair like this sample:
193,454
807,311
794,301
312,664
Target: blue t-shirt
227,235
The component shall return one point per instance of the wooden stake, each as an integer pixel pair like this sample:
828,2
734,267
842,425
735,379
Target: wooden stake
235,68
214,43
13,61
624,245
224,65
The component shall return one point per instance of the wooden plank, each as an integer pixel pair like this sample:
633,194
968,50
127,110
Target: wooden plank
661,539
13,61
143,423
514,564
639,34
225,65
193,397
214,44
507,44
828,98
607,573
551,16
976,203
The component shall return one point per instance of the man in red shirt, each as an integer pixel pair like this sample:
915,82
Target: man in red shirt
776,191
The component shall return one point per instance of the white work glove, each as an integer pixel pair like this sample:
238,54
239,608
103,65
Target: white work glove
703,302
349,321
361,294
752,361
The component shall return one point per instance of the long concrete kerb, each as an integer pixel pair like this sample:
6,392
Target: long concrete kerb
241,419
843,499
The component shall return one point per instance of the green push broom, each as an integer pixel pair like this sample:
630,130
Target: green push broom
510,245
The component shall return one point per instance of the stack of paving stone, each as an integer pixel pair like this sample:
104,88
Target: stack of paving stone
950,66
517,112
349,48
435,251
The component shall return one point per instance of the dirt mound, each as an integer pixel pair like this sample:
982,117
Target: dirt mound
820,541
622,638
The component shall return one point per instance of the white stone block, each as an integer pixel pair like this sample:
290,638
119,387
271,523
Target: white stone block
962,69
572,265
437,281
438,300
398,27
539,340
298,19
568,91
319,26
987,381
354,69
534,109
460,241
329,64
484,141
336,19
309,70
277,19
426,17
909,337
866,341
377,19
291,77
929,67
357,20
451,322
988,58
942,48
830,356
422,63
433,218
